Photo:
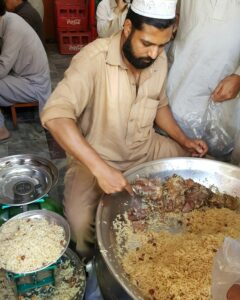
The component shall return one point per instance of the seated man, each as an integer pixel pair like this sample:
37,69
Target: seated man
24,70
25,10
111,15
102,113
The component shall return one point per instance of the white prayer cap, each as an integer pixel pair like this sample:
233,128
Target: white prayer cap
158,9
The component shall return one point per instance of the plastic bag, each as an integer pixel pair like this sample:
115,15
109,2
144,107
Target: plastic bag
216,127
235,159
226,268
218,135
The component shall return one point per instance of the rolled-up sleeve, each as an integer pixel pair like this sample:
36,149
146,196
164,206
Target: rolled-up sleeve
73,93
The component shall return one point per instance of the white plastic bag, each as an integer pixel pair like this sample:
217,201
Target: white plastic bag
235,159
216,127
218,135
226,268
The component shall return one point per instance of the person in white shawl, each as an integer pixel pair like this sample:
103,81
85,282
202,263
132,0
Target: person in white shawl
206,73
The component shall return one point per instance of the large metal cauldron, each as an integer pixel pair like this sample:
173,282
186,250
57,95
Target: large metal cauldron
207,172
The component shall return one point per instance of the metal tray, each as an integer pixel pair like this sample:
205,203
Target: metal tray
224,176
25,178
52,218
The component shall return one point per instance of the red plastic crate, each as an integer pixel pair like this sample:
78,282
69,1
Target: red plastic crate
72,17
71,42
82,3
94,34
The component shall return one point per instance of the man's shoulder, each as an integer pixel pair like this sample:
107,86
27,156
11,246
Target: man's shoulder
94,50
13,23
161,63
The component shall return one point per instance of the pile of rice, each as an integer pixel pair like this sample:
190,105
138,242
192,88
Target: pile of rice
70,279
30,244
176,266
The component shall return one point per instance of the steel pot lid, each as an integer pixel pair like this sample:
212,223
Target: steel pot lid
25,178
224,176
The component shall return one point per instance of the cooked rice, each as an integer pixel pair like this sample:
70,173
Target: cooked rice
166,266
69,284
29,244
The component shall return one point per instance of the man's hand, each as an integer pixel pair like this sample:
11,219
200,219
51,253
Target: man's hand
234,292
165,121
227,89
198,148
121,5
111,180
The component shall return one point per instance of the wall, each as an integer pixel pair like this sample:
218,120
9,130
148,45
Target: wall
49,21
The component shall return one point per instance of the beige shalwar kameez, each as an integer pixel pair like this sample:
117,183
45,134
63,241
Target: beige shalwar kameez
115,116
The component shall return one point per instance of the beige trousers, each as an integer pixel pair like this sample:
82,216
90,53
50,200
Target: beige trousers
82,194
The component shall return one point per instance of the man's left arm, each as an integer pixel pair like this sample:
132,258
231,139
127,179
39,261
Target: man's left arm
228,88
10,50
164,119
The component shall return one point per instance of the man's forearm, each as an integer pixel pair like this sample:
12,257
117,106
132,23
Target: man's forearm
71,140
66,133
167,123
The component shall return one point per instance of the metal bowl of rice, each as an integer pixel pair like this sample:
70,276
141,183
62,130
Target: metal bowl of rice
209,173
32,241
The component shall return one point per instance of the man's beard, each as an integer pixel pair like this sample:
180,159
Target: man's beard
137,62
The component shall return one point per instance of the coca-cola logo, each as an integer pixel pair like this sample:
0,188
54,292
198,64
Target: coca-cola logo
75,47
73,21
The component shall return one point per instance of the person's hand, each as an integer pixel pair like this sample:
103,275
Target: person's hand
121,5
234,292
112,181
198,148
227,89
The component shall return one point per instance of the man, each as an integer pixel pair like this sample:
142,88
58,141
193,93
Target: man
24,71
111,15
25,10
206,64
102,113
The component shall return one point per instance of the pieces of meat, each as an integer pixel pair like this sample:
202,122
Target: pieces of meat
148,187
177,194
223,200
173,194
196,195
137,214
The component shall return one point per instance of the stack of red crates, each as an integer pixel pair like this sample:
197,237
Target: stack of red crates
72,25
